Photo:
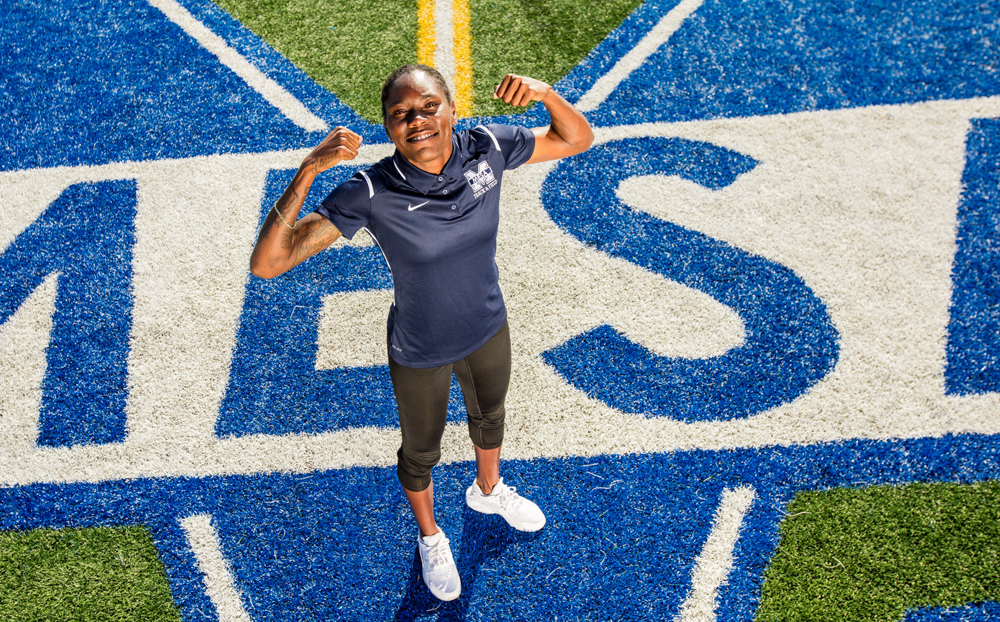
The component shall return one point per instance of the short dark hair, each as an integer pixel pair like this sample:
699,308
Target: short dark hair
408,69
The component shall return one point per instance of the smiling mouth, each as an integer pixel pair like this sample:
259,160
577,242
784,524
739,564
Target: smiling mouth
421,137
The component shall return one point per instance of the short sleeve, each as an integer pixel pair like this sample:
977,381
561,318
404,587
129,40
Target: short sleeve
349,206
515,143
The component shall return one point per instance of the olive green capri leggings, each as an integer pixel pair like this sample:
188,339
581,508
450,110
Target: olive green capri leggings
422,399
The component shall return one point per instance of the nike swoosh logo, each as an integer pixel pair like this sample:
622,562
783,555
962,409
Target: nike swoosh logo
413,207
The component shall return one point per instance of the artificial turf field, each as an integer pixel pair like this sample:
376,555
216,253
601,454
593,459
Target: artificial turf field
755,327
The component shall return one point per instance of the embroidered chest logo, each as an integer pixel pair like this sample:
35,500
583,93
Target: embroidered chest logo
481,179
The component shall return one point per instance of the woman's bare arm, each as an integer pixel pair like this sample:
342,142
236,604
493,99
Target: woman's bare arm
284,243
569,132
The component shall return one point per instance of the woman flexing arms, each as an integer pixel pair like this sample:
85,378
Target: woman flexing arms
433,209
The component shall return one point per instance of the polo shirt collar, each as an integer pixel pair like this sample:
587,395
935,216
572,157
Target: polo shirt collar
423,182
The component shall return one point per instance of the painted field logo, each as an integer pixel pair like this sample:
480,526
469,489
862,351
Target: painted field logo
481,179
768,292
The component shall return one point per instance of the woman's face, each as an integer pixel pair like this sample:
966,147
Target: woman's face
419,119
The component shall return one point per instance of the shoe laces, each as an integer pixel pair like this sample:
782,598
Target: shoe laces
507,496
439,554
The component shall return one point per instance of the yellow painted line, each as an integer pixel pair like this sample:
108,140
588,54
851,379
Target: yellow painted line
425,32
462,49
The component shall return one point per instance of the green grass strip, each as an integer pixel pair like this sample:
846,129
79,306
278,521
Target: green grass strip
350,46
543,39
871,554
347,46
97,575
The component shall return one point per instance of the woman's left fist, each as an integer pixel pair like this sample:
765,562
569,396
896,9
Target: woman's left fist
521,90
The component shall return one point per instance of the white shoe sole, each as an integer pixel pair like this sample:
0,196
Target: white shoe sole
441,595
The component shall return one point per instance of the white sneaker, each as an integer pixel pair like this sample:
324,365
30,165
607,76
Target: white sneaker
520,513
439,571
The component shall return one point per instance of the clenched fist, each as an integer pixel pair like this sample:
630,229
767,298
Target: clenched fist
521,90
339,145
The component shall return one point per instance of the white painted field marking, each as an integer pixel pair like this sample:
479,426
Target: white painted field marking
352,329
656,37
712,567
23,340
444,40
270,90
219,585
168,398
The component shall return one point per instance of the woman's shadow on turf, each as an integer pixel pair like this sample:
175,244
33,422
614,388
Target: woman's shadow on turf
484,539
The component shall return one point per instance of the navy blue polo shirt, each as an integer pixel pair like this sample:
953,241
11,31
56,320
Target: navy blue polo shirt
438,234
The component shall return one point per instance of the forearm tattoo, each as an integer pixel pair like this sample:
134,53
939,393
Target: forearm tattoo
295,240
312,238
288,207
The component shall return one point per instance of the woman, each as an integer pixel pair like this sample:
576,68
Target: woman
433,209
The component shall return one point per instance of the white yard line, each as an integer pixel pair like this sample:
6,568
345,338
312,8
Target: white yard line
270,90
219,585
444,40
716,559
656,37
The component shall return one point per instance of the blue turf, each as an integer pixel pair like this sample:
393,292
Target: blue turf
778,56
93,82
622,536
981,612
973,351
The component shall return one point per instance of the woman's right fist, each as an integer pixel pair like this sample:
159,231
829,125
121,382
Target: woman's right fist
339,145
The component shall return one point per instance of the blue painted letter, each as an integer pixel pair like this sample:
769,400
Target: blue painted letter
973,351
86,236
790,343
